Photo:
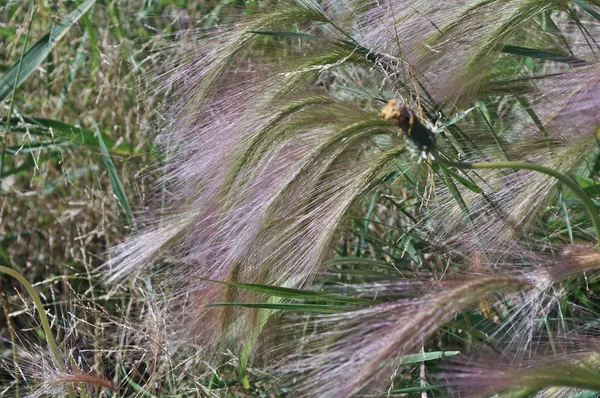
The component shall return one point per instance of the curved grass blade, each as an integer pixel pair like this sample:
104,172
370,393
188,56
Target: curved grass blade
19,71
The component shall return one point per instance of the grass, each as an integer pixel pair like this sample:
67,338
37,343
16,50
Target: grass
74,149
207,199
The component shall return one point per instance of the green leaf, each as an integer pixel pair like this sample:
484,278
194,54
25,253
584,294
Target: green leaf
32,162
35,147
19,71
366,223
7,33
318,308
586,394
453,120
413,389
115,181
62,132
544,55
467,183
589,185
427,356
299,294
587,8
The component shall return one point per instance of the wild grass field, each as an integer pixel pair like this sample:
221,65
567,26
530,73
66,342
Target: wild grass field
299,198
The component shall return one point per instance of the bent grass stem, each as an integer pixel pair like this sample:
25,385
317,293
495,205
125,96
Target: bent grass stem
37,302
40,309
43,318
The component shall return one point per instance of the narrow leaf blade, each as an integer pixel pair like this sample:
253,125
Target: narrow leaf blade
18,72
115,181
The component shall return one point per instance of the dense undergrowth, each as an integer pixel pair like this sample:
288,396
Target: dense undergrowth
300,198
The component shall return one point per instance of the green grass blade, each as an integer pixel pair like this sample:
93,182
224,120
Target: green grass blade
587,8
115,181
413,390
544,55
563,206
427,356
362,94
8,33
35,147
358,260
535,118
62,132
467,183
32,59
586,394
249,345
456,118
310,308
32,163
589,185
298,294
484,112
95,57
366,223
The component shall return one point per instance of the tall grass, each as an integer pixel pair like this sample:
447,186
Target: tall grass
338,198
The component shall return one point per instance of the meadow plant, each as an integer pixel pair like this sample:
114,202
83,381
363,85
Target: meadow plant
454,217
368,197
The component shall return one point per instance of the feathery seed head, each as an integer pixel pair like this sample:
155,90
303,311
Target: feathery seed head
273,142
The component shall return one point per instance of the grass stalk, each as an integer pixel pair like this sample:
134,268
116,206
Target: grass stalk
13,340
40,309
37,302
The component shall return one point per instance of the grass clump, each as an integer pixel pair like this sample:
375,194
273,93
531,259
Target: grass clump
280,231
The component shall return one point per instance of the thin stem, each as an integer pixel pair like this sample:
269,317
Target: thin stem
43,318
568,181
40,309
13,339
